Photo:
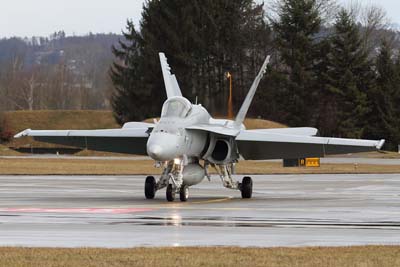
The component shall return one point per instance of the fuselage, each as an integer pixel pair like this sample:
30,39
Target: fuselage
170,139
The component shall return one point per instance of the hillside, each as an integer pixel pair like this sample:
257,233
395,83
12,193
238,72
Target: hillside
56,120
60,119
82,63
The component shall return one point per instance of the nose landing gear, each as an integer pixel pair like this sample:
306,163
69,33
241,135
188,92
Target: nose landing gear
184,193
172,178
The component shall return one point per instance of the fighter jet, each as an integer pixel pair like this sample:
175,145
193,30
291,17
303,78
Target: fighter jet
186,142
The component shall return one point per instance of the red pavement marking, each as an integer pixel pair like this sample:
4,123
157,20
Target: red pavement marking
76,210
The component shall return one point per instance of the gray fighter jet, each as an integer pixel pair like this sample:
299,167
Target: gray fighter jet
187,141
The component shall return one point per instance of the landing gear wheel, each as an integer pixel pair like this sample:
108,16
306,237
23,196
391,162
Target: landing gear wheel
150,187
246,187
170,193
184,193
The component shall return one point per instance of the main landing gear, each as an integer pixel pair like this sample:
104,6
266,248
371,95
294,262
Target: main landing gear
225,173
246,187
150,187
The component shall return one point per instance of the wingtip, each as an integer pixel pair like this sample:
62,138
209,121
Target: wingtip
22,134
380,144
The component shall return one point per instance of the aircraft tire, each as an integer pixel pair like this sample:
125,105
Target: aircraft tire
247,187
150,187
184,193
170,193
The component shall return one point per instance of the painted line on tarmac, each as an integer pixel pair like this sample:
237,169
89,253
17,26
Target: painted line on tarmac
76,210
185,204
212,201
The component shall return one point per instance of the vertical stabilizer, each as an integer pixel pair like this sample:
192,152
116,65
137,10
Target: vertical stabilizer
171,84
250,95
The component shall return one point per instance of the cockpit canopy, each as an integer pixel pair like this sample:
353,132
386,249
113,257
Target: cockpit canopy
176,107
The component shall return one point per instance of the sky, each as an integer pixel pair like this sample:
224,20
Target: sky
26,18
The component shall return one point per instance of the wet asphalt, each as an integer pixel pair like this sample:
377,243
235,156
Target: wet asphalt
286,210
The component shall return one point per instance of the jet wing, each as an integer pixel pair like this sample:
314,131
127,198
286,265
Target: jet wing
263,145
126,140
217,129
291,131
230,131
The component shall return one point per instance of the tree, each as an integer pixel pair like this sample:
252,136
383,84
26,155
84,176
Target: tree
296,29
383,120
132,99
350,77
202,40
373,20
5,131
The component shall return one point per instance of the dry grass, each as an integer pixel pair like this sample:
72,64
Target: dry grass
368,256
262,124
259,167
56,120
75,167
372,155
60,119
5,151
91,153
38,166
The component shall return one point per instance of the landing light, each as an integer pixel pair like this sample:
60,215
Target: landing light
177,161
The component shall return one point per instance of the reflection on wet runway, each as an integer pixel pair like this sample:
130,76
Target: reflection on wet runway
287,210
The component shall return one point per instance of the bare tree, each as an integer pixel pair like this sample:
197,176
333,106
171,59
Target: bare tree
373,20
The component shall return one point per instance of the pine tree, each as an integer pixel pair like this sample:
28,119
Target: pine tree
349,76
295,35
132,97
384,119
202,40
325,122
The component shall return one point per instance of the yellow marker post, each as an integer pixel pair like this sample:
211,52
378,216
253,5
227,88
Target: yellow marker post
310,162
313,162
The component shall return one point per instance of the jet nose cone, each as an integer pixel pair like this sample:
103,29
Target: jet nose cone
155,151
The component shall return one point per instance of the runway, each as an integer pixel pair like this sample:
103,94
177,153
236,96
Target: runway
287,210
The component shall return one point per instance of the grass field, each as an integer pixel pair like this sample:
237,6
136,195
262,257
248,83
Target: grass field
5,151
379,256
38,166
56,120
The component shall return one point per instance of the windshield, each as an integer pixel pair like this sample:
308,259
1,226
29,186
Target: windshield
175,108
